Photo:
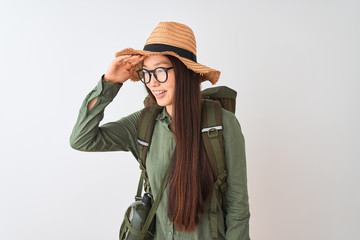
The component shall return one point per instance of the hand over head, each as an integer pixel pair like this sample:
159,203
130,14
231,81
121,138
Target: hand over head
121,68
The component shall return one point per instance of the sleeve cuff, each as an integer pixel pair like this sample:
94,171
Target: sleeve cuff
109,89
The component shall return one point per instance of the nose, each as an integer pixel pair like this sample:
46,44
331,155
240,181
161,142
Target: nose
153,82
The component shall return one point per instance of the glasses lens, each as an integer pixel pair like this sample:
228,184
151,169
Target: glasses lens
144,76
161,74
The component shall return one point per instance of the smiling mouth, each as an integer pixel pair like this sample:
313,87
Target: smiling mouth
158,92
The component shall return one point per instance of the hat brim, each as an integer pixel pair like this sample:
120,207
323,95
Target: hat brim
207,73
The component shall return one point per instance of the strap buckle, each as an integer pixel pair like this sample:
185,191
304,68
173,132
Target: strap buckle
223,175
220,182
212,132
223,187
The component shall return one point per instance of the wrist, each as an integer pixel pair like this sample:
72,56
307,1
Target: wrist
106,79
109,82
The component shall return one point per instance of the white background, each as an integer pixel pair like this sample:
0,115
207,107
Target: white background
294,64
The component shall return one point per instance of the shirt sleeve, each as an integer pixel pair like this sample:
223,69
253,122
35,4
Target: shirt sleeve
238,215
113,136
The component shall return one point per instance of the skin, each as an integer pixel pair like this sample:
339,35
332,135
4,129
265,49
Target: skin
122,67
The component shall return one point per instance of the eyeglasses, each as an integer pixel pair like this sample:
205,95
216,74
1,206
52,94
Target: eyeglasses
160,74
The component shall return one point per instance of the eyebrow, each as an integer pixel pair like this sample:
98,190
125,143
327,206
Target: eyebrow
157,64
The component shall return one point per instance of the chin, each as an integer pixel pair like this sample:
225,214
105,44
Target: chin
160,104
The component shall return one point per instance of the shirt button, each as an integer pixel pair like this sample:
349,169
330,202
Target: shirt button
170,233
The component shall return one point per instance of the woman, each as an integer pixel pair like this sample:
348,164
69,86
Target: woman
169,70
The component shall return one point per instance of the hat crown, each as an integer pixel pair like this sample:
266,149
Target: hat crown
173,34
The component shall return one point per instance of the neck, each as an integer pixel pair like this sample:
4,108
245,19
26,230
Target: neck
169,110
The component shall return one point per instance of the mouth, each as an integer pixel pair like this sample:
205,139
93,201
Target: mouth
159,93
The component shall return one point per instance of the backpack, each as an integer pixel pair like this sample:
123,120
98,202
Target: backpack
213,100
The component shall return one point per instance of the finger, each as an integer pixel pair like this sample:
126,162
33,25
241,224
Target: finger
140,59
127,63
135,59
122,58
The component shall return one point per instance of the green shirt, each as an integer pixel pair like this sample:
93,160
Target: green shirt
122,136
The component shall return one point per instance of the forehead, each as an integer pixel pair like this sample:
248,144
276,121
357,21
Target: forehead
155,60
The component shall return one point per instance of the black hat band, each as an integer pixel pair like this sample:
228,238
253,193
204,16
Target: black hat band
156,47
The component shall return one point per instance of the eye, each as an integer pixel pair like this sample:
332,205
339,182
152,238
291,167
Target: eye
160,70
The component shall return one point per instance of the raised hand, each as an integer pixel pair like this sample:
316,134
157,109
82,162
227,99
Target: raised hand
122,67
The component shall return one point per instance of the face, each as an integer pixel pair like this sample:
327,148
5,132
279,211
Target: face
163,92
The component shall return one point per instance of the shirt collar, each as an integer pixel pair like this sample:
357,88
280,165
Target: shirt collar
164,116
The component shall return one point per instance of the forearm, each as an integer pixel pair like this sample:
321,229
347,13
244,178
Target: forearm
92,103
86,131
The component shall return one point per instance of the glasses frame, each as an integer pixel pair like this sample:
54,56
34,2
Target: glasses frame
153,71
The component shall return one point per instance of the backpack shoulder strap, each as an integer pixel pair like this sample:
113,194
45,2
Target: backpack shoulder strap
146,125
214,147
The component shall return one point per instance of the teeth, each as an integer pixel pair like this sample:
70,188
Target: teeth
159,92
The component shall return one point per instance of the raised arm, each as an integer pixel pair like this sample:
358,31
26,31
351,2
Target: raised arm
113,136
119,71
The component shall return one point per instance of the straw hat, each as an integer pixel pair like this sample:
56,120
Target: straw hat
178,40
